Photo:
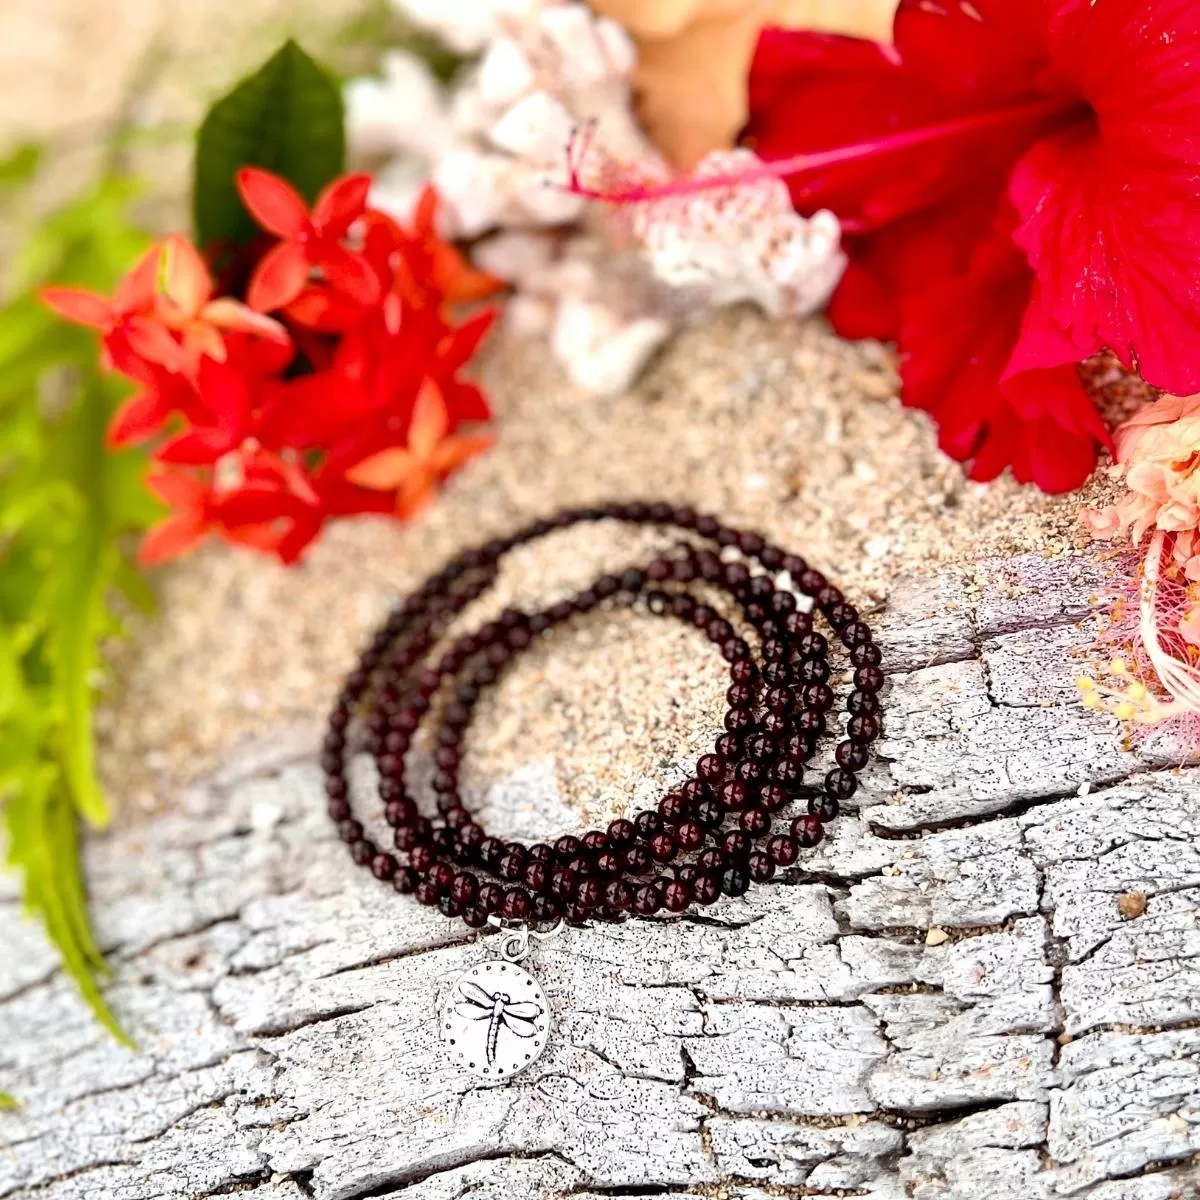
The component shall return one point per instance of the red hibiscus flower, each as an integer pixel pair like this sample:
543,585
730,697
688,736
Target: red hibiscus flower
1018,180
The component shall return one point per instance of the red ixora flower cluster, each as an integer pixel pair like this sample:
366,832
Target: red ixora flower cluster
347,399
1019,181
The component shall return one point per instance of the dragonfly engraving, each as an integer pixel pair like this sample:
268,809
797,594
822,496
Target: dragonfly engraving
499,1010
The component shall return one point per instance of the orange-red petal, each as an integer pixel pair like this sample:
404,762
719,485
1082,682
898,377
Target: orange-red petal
82,307
341,204
175,536
273,202
278,279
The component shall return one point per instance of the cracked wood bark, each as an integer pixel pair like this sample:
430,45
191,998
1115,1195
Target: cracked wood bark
808,1039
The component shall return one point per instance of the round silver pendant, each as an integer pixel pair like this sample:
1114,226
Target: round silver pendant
495,1020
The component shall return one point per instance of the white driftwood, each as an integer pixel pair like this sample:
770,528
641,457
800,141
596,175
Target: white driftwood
955,998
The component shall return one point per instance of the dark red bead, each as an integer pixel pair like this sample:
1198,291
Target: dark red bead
840,783
867,654
739,695
711,859
405,880
516,904
852,756
648,825
608,863
638,860
440,876
676,896
825,808
350,831
338,810
567,847
734,795
735,844
647,900
729,746
362,852
738,720
743,671
863,729
772,797
807,830
710,813
689,835
490,898
617,895
788,771
673,808
869,678
540,852
755,822
383,866
621,832
588,893
761,867
426,893
511,866
546,908
474,918
594,842
706,889
562,882
711,768
735,881
662,846
783,850
464,888
536,876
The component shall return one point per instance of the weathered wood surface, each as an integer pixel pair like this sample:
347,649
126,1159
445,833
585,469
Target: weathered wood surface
956,998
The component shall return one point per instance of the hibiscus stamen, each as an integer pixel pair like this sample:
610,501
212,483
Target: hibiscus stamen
799,164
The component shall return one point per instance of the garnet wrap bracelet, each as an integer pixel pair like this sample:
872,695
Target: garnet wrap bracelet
716,833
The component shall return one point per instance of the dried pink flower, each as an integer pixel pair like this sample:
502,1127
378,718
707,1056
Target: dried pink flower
1158,456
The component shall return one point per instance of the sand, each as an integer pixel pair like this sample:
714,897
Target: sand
782,427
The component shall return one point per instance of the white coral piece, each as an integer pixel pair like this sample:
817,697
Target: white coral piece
743,241
497,148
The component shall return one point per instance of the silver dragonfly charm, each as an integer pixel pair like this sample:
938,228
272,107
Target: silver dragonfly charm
500,1011
495,1019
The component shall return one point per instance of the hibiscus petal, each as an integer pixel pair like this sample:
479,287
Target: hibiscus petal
1111,220
992,47
891,140
1116,246
80,306
956,342
341,204
278,279
273,202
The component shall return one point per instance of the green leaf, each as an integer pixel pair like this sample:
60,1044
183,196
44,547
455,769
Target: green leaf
44,846
7,1103
287,117
67,504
